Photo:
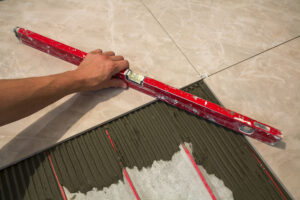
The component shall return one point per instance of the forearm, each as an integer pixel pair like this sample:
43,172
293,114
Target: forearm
22,97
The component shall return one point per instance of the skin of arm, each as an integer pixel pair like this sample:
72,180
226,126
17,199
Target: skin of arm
22,97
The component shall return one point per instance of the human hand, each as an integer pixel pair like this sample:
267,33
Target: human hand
97,69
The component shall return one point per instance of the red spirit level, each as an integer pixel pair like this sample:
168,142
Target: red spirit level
163,92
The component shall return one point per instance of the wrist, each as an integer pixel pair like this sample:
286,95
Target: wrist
73,81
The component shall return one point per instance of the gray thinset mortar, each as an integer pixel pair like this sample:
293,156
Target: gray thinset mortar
150,133
29,179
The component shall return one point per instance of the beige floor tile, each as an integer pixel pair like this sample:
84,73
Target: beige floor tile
26,144
123,26
216,34
266,88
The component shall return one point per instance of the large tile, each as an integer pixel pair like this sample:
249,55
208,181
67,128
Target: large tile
123,26
266,88
216,34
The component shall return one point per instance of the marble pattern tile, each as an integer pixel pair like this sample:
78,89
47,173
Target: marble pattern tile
217,34
120,25
266,88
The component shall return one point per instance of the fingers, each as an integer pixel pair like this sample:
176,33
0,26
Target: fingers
115,82
112,56
120,66
119,63
97,51
116,58
109,53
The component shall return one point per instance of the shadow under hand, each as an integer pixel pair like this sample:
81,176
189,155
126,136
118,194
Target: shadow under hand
47,130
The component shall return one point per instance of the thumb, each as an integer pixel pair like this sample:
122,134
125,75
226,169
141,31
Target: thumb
115,82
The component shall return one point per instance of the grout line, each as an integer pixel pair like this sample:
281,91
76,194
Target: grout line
198,171
264,51
171,38
223,68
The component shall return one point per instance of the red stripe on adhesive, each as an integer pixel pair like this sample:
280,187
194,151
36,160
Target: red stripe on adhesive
266,171
131,184
124,169
111,142
63,194
199,172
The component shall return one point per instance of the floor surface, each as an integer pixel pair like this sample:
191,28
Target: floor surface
248,50
138,141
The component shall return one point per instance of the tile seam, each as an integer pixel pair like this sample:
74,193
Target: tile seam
255,55
221,103
232,65
171,38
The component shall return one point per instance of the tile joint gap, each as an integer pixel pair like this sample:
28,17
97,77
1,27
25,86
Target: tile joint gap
246,59
173,41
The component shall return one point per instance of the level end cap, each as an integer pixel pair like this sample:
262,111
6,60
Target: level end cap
16,31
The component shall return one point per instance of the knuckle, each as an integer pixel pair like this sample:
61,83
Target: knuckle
104,57
110,63
126,62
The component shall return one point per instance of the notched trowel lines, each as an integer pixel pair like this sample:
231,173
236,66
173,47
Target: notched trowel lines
124,169
166,93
